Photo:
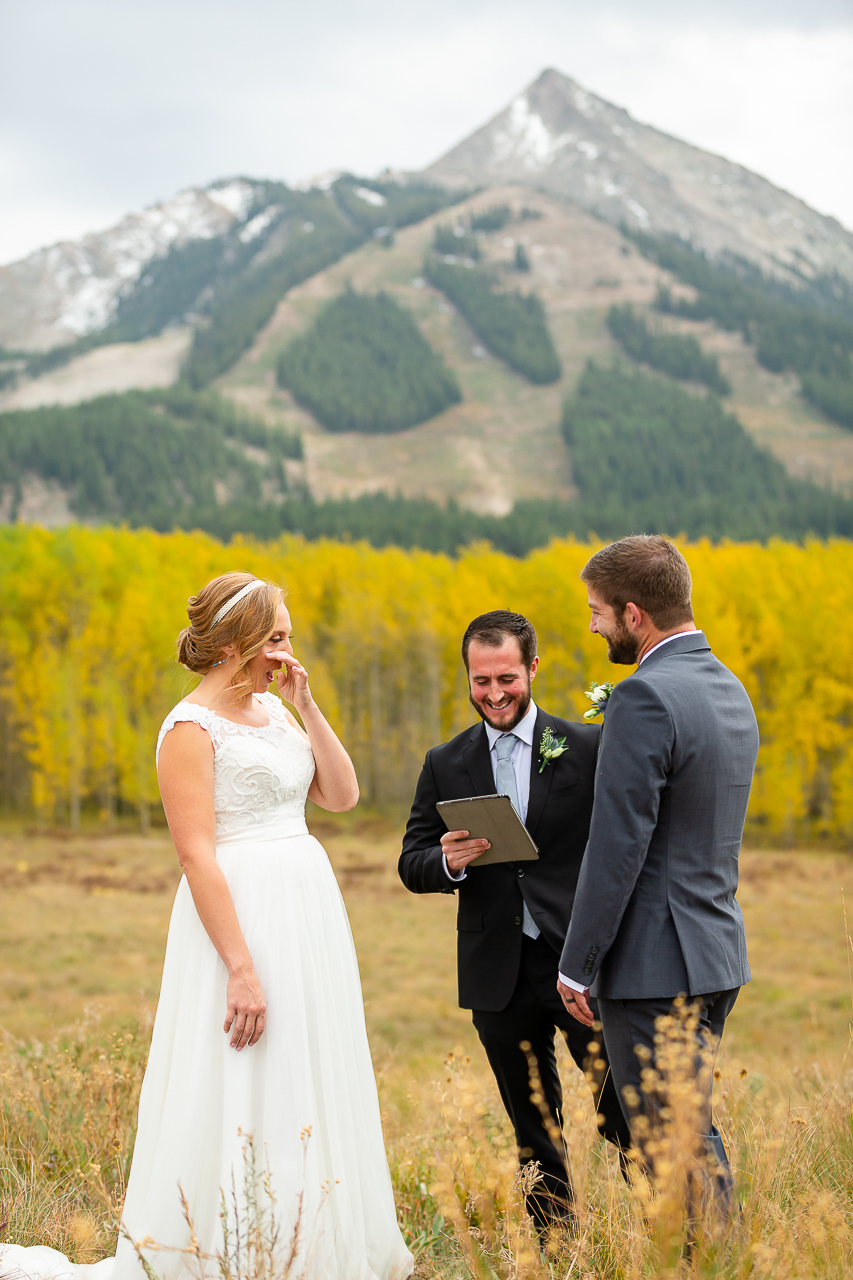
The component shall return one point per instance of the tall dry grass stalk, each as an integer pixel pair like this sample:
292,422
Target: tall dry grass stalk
255,1243
792,1160
67,1127
682,1189
68,1111
476,1183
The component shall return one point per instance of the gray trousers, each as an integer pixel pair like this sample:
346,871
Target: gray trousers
629,1023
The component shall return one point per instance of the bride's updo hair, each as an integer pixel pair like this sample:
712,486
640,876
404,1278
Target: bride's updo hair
246,627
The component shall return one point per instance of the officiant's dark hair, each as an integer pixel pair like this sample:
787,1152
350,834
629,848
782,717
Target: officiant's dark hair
493,628
648,571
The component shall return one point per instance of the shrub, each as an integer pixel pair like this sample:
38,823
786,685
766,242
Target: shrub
493,219
455,242
511,324
365,366
678,355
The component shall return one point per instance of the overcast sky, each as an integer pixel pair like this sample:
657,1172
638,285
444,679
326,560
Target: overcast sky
111,105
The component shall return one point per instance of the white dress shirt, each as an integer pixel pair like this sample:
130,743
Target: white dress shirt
676,636
521,757
570,982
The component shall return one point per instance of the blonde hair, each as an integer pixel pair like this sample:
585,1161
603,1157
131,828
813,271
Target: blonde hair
246,627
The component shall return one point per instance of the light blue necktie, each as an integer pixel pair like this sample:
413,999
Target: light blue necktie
507,786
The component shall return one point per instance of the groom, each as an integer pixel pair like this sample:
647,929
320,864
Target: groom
512,918
655,913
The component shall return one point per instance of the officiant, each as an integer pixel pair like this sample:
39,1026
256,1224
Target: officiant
512,917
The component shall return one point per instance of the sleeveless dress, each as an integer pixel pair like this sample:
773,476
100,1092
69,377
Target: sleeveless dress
305,1094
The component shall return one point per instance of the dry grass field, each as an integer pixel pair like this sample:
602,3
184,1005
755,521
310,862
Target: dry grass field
82,927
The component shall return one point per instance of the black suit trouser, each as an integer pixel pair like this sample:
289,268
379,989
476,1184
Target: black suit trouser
534,1011
629,1023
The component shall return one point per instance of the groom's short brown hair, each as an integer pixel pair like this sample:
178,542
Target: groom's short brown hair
647,570
501,624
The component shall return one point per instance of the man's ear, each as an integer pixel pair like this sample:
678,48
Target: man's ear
634,618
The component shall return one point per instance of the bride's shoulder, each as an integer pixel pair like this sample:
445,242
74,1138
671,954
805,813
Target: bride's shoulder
189,711
183,712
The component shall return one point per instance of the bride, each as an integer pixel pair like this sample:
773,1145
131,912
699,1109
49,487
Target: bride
259,937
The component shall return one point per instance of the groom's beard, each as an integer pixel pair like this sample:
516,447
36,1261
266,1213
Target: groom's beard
623,649
517,711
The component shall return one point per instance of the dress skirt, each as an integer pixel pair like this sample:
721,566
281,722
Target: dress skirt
302,1102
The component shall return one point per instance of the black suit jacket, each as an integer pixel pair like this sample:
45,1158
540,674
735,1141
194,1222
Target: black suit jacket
489,916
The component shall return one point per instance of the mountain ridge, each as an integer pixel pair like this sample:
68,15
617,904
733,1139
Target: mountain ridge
244,267
72,288
568,142
555,136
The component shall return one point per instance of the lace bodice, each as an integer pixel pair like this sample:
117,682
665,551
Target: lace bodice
261,776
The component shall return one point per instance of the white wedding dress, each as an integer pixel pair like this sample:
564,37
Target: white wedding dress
311,1070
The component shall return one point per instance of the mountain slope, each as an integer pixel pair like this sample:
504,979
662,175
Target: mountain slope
502,444
62,292
248,266
156,458
562,139
207,251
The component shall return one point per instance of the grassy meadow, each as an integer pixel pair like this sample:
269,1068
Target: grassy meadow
83,921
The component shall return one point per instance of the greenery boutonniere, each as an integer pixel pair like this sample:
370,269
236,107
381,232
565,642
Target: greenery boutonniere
550,748
598,695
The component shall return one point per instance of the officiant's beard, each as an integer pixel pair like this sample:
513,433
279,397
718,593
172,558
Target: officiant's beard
521,707
623,649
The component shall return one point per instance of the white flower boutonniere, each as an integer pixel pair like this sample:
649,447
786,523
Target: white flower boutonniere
550,748
598,695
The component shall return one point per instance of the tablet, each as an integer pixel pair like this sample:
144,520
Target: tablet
491,818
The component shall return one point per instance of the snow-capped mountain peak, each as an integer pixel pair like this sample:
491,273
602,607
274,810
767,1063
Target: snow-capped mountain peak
526,138
69,289
565,140
236,196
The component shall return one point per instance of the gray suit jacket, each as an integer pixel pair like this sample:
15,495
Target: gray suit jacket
655,912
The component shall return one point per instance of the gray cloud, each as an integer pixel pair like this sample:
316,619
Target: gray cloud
107,105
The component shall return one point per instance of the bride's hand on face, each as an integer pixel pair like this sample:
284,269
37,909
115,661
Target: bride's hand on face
292,680
246,1016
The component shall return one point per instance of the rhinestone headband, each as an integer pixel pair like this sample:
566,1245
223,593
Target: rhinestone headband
235,599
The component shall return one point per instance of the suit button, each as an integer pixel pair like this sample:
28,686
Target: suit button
593,951
587,968
518,919
520,873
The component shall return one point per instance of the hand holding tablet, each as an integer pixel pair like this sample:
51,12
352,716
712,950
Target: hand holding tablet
491,818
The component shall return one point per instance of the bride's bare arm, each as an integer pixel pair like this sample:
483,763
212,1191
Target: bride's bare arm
186,785
335,786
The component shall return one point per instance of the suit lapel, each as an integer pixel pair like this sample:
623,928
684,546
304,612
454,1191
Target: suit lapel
478,763
540,783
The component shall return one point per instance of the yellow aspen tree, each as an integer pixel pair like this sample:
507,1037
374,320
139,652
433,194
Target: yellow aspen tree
90,620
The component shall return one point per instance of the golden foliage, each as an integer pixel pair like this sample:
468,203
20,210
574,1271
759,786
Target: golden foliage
90,618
